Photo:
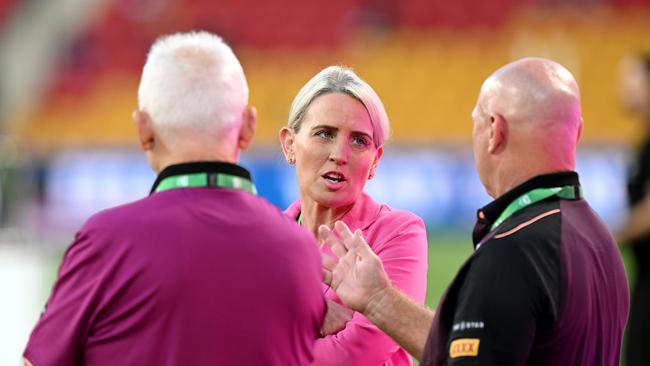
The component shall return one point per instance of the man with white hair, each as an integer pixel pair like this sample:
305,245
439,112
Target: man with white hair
545,284
200,271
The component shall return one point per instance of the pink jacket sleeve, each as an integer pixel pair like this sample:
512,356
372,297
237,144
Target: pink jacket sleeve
399,239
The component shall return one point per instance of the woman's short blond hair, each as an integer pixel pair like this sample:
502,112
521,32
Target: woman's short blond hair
340,79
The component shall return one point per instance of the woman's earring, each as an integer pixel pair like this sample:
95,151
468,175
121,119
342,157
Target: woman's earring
291,160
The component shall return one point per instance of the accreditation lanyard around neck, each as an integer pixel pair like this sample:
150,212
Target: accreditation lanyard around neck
536,195
213,180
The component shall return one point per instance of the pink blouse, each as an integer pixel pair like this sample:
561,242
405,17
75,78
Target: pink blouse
399,239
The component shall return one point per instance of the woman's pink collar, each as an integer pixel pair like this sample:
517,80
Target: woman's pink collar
363,213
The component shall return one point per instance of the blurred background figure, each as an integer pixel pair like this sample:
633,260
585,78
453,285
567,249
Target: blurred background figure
635,232
68,69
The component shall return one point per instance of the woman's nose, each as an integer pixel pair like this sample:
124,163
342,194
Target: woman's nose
339,153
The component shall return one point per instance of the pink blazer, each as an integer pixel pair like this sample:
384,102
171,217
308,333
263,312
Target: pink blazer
399,239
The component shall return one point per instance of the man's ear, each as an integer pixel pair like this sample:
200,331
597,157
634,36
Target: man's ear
145,130
248,127
579,135
498,134
287,137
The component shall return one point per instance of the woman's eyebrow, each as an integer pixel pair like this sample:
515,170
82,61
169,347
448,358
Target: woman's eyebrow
362,133
332,128
324,126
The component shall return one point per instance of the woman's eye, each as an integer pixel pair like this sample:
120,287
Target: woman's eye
324,134
361,141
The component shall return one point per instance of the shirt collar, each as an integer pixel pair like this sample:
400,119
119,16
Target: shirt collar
201,167
487,215
362,214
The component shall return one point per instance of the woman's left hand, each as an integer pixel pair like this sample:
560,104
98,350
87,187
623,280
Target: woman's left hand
335,319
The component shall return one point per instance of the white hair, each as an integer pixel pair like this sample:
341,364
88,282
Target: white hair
192,82
339,79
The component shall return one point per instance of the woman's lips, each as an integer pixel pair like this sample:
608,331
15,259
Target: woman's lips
334,180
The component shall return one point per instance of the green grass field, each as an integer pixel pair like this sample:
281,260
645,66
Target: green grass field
446,255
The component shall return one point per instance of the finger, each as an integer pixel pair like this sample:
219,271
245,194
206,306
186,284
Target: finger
362,248
342,230
356,240
327,277
323,230
342,269
328,261
344,233
332,241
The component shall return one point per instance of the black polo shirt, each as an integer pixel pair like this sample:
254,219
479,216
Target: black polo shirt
545,285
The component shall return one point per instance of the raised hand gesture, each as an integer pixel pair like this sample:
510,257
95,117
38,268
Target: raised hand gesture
356,273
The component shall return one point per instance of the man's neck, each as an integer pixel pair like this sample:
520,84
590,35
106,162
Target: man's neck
161,163
506,182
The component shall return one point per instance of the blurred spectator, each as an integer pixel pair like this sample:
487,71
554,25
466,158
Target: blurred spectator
635,95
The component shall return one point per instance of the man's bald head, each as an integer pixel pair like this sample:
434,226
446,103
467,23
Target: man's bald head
531,112
534,90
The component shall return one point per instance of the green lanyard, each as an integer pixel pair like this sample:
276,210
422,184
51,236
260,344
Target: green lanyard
536,195
206,180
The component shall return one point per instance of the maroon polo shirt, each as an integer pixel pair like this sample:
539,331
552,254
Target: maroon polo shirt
186,276
545,287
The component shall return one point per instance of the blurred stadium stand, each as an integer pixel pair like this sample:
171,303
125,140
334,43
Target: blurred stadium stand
426,59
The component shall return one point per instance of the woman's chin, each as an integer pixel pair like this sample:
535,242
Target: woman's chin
333,200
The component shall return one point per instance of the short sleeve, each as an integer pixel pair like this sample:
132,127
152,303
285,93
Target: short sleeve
59,336
498,305
404,256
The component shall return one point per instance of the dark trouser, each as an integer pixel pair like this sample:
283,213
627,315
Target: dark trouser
638,325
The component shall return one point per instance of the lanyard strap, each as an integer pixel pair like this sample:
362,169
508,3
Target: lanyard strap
536,195
214,180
